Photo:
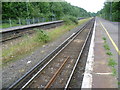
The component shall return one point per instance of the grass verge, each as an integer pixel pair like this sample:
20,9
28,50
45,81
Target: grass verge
6,25
29,43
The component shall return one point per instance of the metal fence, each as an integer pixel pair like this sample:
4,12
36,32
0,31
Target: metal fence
21,21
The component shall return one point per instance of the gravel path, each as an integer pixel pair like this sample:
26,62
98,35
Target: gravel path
15,70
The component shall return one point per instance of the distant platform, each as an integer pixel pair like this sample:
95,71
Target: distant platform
28,26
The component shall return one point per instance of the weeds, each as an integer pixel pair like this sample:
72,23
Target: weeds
114,71
111,62
109,53
118,83
104,38
41,36
106,46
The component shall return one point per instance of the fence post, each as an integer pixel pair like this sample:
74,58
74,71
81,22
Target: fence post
33,20
27,21
43,19
19,21
10,22
38,20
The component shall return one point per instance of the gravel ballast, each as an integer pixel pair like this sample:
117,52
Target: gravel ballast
13,71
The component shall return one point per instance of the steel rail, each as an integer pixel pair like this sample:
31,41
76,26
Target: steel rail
53,53
55,75
70,77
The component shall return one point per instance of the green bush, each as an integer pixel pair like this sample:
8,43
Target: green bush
74,20
41,36
70,20
66,20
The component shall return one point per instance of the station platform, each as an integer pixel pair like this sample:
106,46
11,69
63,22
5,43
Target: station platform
29,26
98,74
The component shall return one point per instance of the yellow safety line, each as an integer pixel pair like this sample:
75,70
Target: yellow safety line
115,46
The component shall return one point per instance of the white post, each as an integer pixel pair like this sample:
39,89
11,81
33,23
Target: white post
19,21
33,20
10,22
27,21
38,20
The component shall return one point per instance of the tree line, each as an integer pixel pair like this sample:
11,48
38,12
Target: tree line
15,10
110,11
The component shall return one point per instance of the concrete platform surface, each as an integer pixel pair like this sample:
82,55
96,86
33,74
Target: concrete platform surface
97,72
102,73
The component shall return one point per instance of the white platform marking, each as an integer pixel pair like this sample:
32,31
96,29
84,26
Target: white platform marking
87,79
103,73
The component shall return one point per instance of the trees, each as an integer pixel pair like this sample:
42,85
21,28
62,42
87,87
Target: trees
16,10
116,11
111,11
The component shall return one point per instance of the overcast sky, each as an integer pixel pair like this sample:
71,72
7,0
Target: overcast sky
89,5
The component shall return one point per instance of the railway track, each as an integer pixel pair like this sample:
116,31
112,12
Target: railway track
56,69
